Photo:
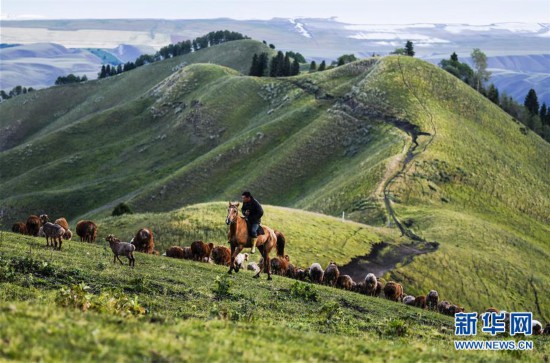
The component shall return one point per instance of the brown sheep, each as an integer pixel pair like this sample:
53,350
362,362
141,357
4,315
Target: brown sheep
316,273
175,252
144,241
447,308
432,300
546,329
492,310
221,255
63,223
201,250
331,274
371,285
187,253
279,265
86,230
19,227
393,291
291,271
344,282
420,302
33,225
301,274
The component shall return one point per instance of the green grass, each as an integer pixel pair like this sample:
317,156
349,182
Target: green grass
195,312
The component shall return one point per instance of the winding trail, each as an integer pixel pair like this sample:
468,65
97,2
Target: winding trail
384,257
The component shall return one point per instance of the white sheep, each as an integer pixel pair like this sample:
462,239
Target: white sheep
121,249
240,259
253,266
409,300
536,327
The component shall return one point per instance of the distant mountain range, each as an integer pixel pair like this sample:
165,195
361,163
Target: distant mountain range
522,49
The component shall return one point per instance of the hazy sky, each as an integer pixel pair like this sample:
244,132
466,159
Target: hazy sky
350,11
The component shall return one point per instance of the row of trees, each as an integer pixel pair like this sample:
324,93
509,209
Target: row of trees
15,91
536,117
174,50
279,65
71,78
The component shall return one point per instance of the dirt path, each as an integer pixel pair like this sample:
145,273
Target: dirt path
384,257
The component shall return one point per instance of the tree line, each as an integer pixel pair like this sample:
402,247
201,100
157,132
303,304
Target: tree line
531,114
174,50
15,91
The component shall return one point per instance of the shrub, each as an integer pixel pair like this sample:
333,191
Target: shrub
122,208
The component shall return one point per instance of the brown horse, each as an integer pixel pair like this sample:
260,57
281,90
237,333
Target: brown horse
239,239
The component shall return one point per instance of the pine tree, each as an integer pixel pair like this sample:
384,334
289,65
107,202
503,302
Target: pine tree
454,57
295,68
531,102
273,67
103,72
254,66
263,64
286,66
119,69
543,113
409,48
313,66
322,66
492,94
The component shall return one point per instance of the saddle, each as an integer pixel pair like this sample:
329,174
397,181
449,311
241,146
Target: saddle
260,229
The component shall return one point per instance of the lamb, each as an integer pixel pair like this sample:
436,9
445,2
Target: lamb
121,249
409,300
144,241
19,227
316,273
331,274
201,250
420,302
86,230
63,223
240,259
279,265
393,291
432,300
344,282
175,252
221,255
33,225
253,266
52,232
536,327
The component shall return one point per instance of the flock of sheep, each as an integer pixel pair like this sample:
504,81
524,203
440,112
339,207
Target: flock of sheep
143,241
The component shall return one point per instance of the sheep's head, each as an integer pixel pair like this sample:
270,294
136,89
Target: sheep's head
44,218
112,239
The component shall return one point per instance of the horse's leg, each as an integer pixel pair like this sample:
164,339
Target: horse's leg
232,262
238,250
267,261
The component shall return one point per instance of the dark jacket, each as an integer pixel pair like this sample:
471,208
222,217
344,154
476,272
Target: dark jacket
256,211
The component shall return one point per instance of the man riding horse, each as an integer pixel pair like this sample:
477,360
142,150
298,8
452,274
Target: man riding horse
253,212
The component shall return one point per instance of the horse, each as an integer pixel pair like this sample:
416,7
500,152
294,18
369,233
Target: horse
238,238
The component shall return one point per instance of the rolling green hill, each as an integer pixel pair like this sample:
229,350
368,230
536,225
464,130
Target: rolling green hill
392,142
76,305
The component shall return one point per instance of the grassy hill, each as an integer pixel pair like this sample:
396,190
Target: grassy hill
76,305
166,136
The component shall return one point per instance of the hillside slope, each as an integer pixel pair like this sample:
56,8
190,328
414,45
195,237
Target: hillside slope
389,141
76,305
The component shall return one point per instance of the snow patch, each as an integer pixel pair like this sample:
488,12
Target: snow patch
417,38
387,27
511,27
300,28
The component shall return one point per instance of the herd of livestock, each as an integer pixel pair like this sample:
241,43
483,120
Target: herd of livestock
143,241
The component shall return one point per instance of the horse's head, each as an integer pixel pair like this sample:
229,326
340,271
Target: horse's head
232,213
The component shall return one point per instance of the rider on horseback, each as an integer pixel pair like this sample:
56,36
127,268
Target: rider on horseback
253,212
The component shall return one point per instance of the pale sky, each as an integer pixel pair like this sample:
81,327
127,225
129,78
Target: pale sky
349,11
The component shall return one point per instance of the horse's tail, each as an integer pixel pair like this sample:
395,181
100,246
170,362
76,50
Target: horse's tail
280,243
